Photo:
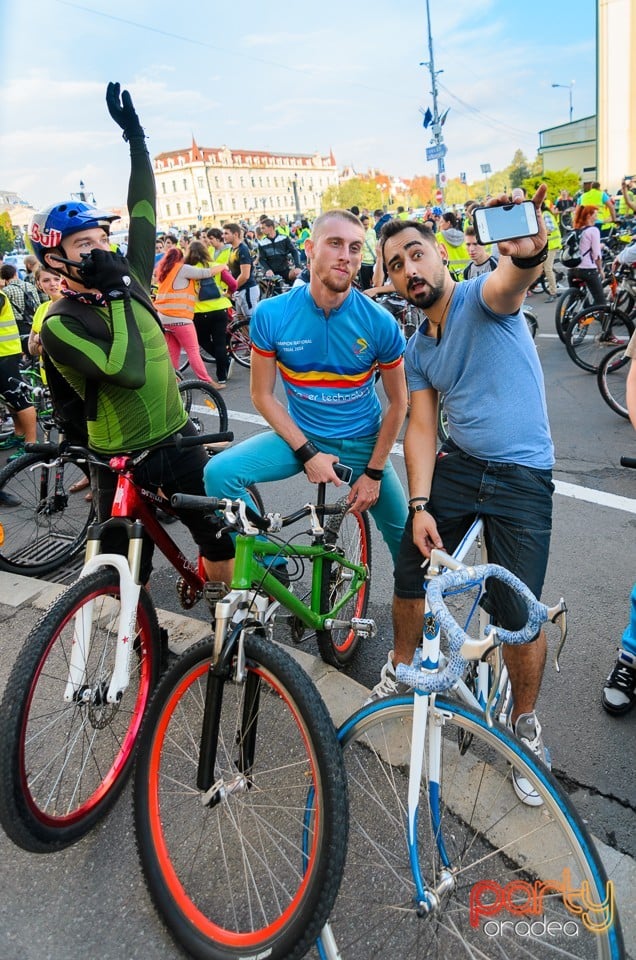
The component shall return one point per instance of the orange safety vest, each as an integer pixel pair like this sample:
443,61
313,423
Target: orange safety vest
176,303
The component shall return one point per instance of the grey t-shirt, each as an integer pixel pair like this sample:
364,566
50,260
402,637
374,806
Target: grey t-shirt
486,366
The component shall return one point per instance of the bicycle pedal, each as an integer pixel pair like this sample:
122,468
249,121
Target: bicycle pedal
214,590
364,626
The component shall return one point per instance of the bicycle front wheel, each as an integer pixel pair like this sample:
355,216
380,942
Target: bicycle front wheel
240,342
64,760
47,526
567,306
254,869
204,405
494,865
612,380
594,332
350,532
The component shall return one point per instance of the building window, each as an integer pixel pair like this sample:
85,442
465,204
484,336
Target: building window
229,181
167,209
185,184
163,186
242,181
233,204
200,181
204,204
217,182
221,205
174,186
178,209
189,206
245,203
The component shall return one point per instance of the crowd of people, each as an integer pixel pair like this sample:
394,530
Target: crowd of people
111,349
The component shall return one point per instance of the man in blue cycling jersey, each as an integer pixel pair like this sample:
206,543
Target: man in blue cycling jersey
475,349
326,340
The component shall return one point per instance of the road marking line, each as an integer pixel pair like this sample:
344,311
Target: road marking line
564,489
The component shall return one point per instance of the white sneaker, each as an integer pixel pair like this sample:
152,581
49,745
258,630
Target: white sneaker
388,685
527,729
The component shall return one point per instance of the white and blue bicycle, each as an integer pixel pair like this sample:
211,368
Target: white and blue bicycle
444,860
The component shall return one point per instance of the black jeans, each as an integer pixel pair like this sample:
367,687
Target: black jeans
211,331
593,280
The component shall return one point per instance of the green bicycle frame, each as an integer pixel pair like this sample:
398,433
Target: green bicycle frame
250,573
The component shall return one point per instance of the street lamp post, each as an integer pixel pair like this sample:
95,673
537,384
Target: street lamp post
436,125
567,86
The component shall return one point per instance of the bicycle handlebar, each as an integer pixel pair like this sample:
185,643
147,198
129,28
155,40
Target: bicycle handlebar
270,522
462,646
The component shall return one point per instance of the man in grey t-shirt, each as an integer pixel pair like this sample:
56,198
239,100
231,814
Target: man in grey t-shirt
476,349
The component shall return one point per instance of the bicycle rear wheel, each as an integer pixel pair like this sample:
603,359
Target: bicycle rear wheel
612,380
487,855
254,870
594,332
350,533
48,525
205,406
64,761
240,342
569,304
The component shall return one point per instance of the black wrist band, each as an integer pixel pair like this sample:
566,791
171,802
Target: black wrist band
373,474
418,500
528,263
306,452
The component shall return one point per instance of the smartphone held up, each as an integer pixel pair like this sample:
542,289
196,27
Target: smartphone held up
508,221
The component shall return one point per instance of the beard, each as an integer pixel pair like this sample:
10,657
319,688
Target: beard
426,298
335,282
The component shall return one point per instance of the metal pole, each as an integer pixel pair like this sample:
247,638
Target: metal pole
436,126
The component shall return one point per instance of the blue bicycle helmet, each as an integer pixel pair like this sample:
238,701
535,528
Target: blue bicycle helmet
49,227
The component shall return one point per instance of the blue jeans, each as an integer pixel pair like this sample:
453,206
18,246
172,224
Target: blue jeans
515,502
629,637
267,457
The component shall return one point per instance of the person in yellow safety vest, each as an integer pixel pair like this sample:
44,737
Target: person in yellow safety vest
554,244
595,197
627,199
453,241
21,409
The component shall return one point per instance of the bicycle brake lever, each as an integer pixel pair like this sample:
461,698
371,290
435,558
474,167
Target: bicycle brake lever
317,529
559,615
494,684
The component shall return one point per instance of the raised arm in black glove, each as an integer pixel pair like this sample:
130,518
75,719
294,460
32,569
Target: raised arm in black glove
106,271
122,111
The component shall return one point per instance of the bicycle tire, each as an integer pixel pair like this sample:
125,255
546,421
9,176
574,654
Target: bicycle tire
48,527
240,342
63,764
531,322
569,304
285,832
204,405
484,831
351,533
442,420
612,380
595,331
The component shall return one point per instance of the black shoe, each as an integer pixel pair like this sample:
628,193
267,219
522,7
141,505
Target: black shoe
619,692
9,500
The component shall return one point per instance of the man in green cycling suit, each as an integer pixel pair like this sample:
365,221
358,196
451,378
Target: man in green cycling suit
105,343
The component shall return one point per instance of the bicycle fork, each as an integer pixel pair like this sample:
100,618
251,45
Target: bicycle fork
77,687
232,612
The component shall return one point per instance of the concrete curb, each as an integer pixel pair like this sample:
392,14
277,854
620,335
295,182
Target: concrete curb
342,696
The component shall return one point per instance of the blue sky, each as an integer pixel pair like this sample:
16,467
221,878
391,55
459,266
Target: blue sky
283,77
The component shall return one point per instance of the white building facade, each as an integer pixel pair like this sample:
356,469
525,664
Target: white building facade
210,186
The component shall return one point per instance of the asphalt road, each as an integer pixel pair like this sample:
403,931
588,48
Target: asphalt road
93,895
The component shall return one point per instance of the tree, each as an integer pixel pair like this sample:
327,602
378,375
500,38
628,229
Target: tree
518,171
358,191
555,180
7,234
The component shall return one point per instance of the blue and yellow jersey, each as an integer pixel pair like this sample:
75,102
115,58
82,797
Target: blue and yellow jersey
328,364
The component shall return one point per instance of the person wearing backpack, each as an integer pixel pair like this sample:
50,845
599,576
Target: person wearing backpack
584,259
22,298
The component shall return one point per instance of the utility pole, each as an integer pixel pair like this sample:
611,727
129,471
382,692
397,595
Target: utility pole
438,151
